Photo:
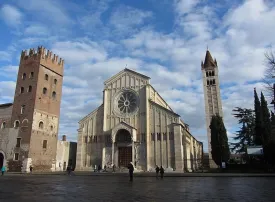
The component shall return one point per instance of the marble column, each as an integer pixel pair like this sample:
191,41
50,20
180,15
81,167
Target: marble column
113,151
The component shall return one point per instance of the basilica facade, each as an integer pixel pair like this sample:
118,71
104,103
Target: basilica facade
135,124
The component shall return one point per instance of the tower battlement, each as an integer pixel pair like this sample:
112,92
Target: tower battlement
43,54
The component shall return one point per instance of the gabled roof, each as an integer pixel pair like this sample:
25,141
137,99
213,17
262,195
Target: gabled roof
165,109
6,105
127,70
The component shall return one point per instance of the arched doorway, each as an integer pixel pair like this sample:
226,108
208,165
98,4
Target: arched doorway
1,159
124,144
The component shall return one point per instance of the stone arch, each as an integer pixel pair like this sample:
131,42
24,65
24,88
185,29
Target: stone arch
16,124
117,129
2,159
123,136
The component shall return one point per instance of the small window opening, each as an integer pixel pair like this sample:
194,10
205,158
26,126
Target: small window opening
30,89
16,156
24,76
23,109
54,94
214,82
22,90
44,91
41,125
207,82
16,124
46,77
45,144
31,75
18,142
55,81
3,125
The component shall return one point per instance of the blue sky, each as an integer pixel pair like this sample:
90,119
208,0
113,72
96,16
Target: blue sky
165,40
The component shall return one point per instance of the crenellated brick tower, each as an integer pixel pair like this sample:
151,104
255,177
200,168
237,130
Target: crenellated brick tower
36,108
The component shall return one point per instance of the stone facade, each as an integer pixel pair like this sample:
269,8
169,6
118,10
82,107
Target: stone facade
65,154
212,97
134,124
36,109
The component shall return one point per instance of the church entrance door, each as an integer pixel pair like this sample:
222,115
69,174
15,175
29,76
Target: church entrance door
124,156
1,160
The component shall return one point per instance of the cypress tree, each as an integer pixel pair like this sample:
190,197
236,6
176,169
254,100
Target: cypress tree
266,123
258,120
219,141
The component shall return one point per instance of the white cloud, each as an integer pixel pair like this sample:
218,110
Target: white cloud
36,30
11,15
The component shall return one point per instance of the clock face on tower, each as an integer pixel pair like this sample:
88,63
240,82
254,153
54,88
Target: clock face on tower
126,102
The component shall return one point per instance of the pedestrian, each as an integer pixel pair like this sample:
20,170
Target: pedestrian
105,168
95,169
157,171
3,169
99,168
114,168
31,169
161,172
131,171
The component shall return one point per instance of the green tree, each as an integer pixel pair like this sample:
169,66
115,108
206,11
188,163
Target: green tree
219,141
244,136
266,123
258,120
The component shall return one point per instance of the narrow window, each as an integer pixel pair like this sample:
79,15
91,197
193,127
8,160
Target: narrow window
3,125
211,82
45,144
41,125
16,156
54,94
55,81
22,90
208,82
23,109
30,89
44,91
213,73
206,74
24,76
51,128
16,124
31,75
46,77
18,142
214,82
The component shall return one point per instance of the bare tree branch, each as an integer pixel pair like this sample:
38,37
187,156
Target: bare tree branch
269,74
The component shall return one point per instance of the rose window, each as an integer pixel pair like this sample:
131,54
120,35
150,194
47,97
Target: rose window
126,102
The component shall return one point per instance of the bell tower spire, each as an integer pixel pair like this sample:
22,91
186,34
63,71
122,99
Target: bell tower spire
212,97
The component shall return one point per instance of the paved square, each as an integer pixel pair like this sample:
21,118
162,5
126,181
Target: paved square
118,188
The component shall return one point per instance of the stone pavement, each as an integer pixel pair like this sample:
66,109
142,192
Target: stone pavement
118,188
152,174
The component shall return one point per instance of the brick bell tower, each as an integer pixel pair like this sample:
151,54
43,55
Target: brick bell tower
36,109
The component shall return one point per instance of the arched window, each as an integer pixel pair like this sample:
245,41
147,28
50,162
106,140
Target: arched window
46,77
54,94
44,91
23,109
30,89
213,73
16,124
3,125
211,82
214,82
31,75
41,125
206,74
207,82
55,81
51,127
24,76
22,90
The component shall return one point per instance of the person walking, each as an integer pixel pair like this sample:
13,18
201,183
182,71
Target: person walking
114,168
3,169
157,171
161,172
31,169
131,171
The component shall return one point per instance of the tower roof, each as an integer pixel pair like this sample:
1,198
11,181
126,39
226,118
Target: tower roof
209,62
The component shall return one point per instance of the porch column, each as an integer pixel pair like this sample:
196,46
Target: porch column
133,152
113,152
